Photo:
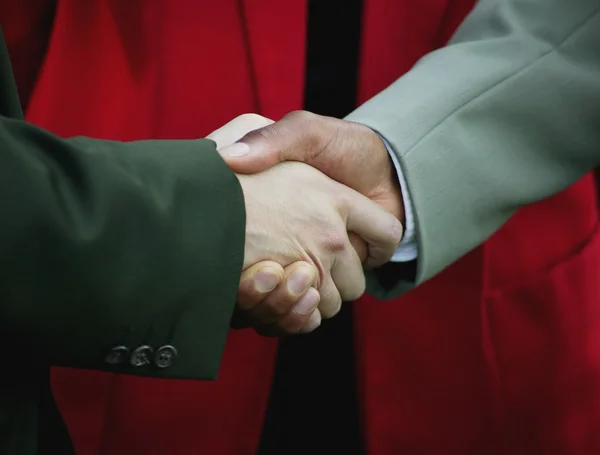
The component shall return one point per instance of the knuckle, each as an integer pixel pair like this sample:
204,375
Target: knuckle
335,241
300,116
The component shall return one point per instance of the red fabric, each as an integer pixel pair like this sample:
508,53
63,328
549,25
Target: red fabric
499,354
26,27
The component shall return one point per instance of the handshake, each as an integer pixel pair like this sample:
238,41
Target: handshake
323,202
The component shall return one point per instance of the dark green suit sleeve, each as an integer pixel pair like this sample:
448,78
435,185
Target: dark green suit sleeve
106,244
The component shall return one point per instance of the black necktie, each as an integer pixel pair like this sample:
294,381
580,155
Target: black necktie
313,404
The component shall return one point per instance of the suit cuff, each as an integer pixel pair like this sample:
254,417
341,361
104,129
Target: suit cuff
407,249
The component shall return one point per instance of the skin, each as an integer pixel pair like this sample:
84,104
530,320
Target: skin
277,300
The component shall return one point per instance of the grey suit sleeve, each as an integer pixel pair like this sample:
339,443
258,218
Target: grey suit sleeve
507,114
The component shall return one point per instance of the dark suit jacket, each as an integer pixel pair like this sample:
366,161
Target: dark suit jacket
113,256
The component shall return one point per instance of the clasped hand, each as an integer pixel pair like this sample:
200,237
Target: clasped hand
311,225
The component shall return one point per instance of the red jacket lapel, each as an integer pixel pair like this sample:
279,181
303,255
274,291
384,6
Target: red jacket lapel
276,33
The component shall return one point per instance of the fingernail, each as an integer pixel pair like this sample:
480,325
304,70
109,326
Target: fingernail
266,280
307,303
237,149
300,280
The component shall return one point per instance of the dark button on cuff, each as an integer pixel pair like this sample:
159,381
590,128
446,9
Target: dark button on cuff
165,356
141,356
117,355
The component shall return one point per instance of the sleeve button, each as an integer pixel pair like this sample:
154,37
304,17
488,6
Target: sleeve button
141,356
117,355
165,356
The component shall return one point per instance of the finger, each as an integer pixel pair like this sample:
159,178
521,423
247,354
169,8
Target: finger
257,282
348,275
237,128
360,246
292,323
331,300
313,323
296,137
381,230
297,280
274,330
300,318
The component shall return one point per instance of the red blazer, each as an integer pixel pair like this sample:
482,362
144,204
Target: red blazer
499,354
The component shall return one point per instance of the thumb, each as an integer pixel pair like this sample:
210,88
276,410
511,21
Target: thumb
255,152
244,159
261,149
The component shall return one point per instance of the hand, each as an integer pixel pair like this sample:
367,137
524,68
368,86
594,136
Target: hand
277,301
273,300
294,212
347,152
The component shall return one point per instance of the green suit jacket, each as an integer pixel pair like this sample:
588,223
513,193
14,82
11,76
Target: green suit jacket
506,115
107,247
